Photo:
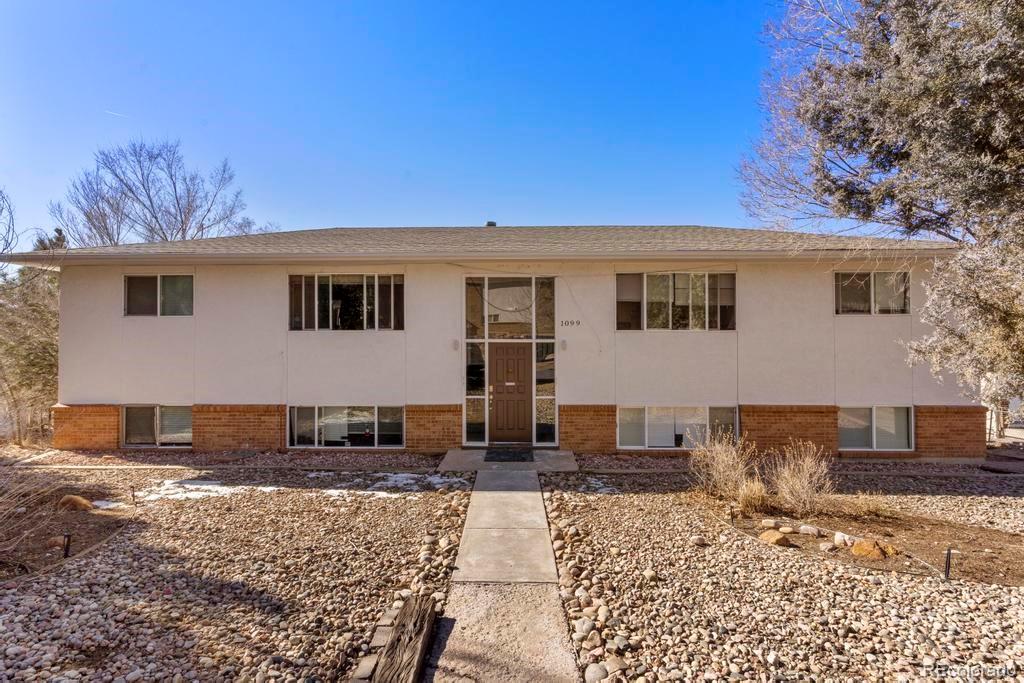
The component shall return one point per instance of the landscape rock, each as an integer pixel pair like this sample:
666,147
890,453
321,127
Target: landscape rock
776,537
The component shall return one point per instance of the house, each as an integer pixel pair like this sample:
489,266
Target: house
594,339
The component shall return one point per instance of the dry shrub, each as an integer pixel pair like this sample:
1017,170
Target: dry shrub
753,496
800,477
22,508
721,466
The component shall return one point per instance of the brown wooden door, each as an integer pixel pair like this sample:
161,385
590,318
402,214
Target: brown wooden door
509,374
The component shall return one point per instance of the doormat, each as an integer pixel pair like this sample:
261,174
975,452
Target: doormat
508,455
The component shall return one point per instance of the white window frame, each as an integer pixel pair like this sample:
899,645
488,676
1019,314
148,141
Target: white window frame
874,436
316,427
707,300
646,408
330,288
837,311
156,424
533,340
159,295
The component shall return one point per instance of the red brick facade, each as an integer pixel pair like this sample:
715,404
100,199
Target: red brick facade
433,427
950,431
226,427
771,426
587,428
88,427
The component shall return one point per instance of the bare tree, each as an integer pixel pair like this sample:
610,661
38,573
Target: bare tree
8,237
143,191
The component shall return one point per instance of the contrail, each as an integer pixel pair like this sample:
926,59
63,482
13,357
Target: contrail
114,113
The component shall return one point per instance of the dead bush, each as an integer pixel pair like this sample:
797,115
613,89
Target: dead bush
722,465
753,496
800,478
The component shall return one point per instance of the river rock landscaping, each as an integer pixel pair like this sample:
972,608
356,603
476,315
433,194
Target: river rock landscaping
657,587
233,575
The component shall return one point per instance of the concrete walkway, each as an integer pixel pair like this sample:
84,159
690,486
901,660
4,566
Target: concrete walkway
504,619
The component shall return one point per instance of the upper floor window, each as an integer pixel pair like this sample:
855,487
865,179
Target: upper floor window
520,307
158,295
868,293
675,301
346,302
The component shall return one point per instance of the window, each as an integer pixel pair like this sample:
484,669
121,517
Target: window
346,302
510,307
876,428
675,427
629,300
872,293
346,426
164,295
675,301
158,425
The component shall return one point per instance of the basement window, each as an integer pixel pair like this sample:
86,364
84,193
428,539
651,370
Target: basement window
673,427
883,428
885,293
346,426
163,295
157,426
346,302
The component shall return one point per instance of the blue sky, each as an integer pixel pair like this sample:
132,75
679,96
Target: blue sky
397,113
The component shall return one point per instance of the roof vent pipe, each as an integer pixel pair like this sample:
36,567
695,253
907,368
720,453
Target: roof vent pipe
491,224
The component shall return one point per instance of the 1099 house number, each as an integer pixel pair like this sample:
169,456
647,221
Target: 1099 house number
569,323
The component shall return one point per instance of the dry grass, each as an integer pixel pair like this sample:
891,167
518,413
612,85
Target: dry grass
800,478
23,510
722,466
753,496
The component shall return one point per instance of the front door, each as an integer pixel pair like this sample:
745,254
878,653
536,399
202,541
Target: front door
511,392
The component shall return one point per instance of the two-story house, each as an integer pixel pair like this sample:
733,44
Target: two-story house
594,339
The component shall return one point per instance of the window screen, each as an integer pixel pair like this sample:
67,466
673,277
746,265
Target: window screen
892,428
892,293
175,295
631,427
347,294
629,297
140,425
384,303
140,295
853,293
389,426
175,425
398,284
721,301
722,421
855,427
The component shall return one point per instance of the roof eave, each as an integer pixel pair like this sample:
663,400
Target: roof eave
52,262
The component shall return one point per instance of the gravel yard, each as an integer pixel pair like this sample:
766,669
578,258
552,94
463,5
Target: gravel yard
233,575
647,599
374,461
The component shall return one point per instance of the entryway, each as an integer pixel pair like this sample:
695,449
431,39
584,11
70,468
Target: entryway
510,390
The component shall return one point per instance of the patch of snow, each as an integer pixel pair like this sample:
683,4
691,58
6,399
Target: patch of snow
188,489
268,489
320,475
409,484
597,485
106,504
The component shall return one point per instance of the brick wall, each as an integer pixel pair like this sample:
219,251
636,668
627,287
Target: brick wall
587,428
950,431
771,426
86,427
228,427
433,426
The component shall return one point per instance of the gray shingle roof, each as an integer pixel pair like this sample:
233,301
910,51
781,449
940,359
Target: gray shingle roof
537,242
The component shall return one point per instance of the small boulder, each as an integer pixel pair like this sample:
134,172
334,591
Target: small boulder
770,523
697,539
650,574
75,503
776,537
827,547
786,529
842,540
808,530
615,665
872,550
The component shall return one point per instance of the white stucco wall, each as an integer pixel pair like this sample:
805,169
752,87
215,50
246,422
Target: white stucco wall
789,346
